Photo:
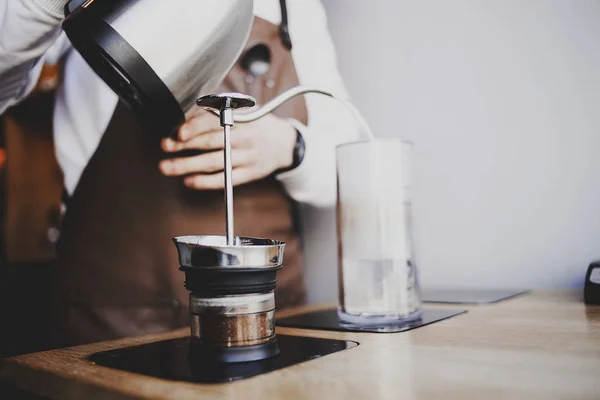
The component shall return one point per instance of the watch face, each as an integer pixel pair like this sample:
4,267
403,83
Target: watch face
298,149
595,275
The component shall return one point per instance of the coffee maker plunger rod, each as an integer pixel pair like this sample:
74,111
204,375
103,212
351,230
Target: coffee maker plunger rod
225,103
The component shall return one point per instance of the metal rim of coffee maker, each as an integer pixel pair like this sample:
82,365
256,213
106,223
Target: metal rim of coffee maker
233,304
212,252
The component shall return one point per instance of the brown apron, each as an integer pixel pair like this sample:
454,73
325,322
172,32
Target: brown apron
30,219
117,267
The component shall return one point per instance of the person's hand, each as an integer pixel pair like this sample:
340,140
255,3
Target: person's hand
257,149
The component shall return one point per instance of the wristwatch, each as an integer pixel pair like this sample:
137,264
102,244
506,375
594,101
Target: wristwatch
298,155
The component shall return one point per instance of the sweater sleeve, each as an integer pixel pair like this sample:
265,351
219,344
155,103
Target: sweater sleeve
329,122
29,30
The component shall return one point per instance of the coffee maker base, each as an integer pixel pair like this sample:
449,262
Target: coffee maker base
199,350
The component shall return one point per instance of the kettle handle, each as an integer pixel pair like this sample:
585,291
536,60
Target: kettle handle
72,5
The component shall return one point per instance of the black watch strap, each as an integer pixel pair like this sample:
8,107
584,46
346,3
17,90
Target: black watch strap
298,155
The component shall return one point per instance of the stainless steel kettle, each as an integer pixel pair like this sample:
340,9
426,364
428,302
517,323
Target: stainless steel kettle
159,56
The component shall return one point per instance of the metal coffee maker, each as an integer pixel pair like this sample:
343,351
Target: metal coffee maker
231,279
232,302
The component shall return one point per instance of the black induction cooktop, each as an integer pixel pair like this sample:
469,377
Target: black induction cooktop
172,359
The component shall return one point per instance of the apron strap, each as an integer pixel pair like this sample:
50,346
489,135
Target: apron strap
284,31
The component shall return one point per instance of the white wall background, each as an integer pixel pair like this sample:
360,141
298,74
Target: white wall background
502,101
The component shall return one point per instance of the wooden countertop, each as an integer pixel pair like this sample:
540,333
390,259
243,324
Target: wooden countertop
545,345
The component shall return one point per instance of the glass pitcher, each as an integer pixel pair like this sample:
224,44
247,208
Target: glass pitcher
377,273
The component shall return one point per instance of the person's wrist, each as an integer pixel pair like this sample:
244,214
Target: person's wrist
287,152
296,156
